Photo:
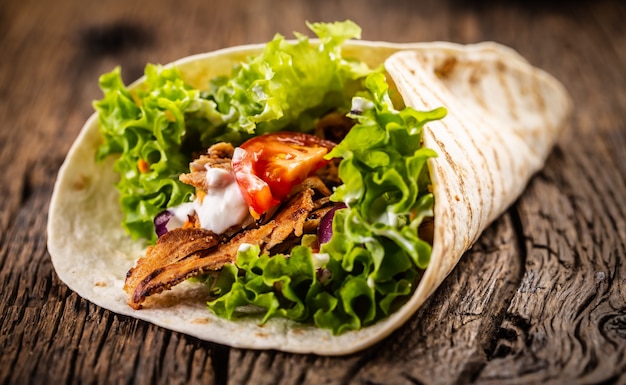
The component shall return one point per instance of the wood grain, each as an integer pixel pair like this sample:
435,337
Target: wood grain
541,298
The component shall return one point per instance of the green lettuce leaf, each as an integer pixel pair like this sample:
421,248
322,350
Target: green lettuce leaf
149,125
155,128
375,255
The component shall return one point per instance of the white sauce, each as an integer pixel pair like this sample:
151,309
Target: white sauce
180,215
222,206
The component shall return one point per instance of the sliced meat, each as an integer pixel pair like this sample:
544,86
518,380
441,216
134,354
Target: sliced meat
200,262
291,219
185,253
171,248
313,220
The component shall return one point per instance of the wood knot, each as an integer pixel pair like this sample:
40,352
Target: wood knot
614,326
513,336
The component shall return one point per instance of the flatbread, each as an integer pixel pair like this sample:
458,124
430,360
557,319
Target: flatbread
504,116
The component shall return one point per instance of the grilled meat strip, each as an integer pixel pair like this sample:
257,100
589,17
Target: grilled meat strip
187,252
174,248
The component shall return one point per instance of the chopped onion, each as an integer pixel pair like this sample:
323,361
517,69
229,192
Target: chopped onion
160,222
325,229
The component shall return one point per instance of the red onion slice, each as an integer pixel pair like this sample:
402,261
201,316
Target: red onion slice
160,222
325,229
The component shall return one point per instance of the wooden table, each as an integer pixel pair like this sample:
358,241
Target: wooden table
541,298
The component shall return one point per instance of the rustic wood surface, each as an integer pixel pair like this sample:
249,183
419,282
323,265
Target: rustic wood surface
540,299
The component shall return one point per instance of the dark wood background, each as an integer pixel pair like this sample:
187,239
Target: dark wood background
540,299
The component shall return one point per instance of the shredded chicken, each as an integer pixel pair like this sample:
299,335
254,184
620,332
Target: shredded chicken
219,156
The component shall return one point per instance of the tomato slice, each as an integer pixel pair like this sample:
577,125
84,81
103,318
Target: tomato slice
268,166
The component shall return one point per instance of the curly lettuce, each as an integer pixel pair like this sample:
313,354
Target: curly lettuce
375,254
155,128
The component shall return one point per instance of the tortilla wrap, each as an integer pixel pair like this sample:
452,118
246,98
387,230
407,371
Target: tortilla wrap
503,118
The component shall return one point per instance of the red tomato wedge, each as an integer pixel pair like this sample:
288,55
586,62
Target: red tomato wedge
268,166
